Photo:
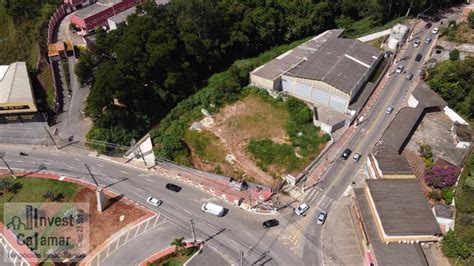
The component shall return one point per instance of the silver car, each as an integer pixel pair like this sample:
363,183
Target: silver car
357,156
322,217
389,110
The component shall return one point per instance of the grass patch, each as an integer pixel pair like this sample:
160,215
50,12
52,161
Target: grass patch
377,43
281,157
206,145
175,259
46,80
460,33
29,189
368,26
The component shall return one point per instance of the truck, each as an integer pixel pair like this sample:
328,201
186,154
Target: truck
213,209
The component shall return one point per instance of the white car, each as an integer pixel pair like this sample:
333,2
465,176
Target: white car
389,110
357,156
302,209
153,201
434,31
321,217
400,68
416,43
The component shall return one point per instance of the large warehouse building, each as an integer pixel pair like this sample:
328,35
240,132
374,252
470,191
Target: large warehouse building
327,72
17,103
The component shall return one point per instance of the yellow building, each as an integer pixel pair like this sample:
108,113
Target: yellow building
17,102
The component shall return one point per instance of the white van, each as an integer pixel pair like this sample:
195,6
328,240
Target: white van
213,209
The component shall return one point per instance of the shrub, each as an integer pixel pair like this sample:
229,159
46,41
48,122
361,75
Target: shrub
454,55
447,194
454,246
440,178
435,195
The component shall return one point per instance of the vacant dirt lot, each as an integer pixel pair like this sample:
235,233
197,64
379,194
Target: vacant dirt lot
234,126
103,225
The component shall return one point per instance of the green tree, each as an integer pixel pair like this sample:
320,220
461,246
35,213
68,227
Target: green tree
454,246
454,55
179,245
470,19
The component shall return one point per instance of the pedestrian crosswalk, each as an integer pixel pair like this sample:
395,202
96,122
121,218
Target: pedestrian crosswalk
291,237
318,198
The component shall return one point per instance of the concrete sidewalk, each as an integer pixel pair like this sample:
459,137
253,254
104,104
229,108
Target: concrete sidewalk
209,256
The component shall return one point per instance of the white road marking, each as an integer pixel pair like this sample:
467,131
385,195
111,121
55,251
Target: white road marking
54,154
140,189
78,160
123,172
148,179
100,165
186,211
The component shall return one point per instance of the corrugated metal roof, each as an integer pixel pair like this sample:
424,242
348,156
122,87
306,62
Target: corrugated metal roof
402,207
390,161
15,85
393,254
339,62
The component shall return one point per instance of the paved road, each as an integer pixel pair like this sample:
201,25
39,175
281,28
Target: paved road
341,173
238,230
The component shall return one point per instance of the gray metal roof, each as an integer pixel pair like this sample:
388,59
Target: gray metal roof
394,253
339,62
444,211
390,161
15,84
122,16
278,66
90,10
402,207
407,119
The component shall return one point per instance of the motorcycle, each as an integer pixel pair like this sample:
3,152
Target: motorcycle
23,154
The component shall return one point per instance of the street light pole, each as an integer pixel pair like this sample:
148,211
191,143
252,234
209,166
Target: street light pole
2,154
194,234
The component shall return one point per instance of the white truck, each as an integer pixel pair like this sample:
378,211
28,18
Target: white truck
213,209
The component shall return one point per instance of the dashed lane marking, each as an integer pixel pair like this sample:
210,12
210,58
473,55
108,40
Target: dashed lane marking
123,172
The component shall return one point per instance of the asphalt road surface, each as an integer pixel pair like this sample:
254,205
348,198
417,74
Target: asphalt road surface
236,231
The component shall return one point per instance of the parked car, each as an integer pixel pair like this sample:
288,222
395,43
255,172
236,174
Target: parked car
428,25
400,68
173,187
389,110
345,155
153,201
302,209
434,31
418,57
213,209
417,43
270,223
409,76
357,156
322,217
428,40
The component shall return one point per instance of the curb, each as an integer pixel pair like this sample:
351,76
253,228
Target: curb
169,250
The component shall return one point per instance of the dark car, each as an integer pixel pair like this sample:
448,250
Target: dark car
418,57
346,154
173,187
270,223
428,25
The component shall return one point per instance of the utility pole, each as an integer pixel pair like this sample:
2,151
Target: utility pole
99,192
241,257
2,154
51,137
194,234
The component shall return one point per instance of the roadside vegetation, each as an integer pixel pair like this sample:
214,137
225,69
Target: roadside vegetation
180,256
458,245
29,189
139,73
454,82
21,33
461,32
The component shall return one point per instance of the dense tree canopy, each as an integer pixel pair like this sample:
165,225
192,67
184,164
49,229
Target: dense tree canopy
141,71
454,81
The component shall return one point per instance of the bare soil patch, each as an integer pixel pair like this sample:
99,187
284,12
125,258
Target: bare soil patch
105,224
234,126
